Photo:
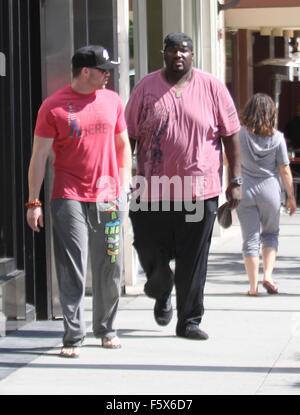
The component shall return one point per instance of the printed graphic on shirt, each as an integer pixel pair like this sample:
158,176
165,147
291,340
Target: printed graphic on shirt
80,130
154,123
74,123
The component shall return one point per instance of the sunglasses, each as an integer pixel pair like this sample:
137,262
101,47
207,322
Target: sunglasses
102,70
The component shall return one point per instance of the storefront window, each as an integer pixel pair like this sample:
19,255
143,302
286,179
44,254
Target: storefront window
5,149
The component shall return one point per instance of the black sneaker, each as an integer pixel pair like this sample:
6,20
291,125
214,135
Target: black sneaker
163,311
193,332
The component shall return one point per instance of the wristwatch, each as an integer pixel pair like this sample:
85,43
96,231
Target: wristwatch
237,180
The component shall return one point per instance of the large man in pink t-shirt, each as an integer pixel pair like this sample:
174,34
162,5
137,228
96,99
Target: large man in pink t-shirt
178,118
84,124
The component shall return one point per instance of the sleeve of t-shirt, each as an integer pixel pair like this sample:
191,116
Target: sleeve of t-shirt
45,123
121,122
133,111
228,119
282,156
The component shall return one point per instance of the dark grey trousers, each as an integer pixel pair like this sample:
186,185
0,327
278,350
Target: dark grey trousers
80,228
160,236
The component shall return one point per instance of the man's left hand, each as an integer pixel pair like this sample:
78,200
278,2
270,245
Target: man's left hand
233,195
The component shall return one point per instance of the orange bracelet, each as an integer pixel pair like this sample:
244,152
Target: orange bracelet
33,203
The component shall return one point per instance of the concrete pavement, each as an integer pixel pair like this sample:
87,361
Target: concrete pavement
253,349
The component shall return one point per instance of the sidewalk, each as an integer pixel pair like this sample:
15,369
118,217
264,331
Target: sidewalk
253,349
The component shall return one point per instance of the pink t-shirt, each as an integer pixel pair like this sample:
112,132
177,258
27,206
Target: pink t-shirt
83,127
179,137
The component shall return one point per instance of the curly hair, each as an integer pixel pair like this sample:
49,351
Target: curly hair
259,115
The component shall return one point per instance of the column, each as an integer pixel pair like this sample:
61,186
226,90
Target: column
140,38
123,36
205,31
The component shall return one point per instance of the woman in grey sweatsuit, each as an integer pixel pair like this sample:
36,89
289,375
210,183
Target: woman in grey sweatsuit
264,160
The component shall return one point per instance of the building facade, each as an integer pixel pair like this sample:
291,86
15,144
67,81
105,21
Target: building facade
259,38
36,45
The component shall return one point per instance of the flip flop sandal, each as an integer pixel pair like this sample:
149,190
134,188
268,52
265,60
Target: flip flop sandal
271,288
111,342
250,294
71,352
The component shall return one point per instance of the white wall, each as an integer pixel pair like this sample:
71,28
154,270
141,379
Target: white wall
199,19
254,18
123,47
177,16
140,38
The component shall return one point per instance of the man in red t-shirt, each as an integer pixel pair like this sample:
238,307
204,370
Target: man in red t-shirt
83,123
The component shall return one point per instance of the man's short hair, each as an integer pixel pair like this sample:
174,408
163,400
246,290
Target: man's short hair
178,39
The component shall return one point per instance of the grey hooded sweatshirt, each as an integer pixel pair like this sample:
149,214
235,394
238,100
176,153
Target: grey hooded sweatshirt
261,156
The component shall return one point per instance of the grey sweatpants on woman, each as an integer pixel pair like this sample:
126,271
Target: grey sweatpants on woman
259,214
79,228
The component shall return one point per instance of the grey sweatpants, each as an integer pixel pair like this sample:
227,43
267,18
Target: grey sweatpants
259,214
79,228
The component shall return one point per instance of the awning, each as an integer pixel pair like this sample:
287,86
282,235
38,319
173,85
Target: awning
279,62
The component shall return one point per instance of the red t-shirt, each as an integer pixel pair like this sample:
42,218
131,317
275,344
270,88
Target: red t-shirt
83,127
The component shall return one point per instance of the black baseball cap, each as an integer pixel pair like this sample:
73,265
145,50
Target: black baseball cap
93,57
178,39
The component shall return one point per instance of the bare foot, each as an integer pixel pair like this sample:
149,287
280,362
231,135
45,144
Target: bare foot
70,351
111,343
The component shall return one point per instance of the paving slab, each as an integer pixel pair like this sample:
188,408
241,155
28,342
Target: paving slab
253,346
